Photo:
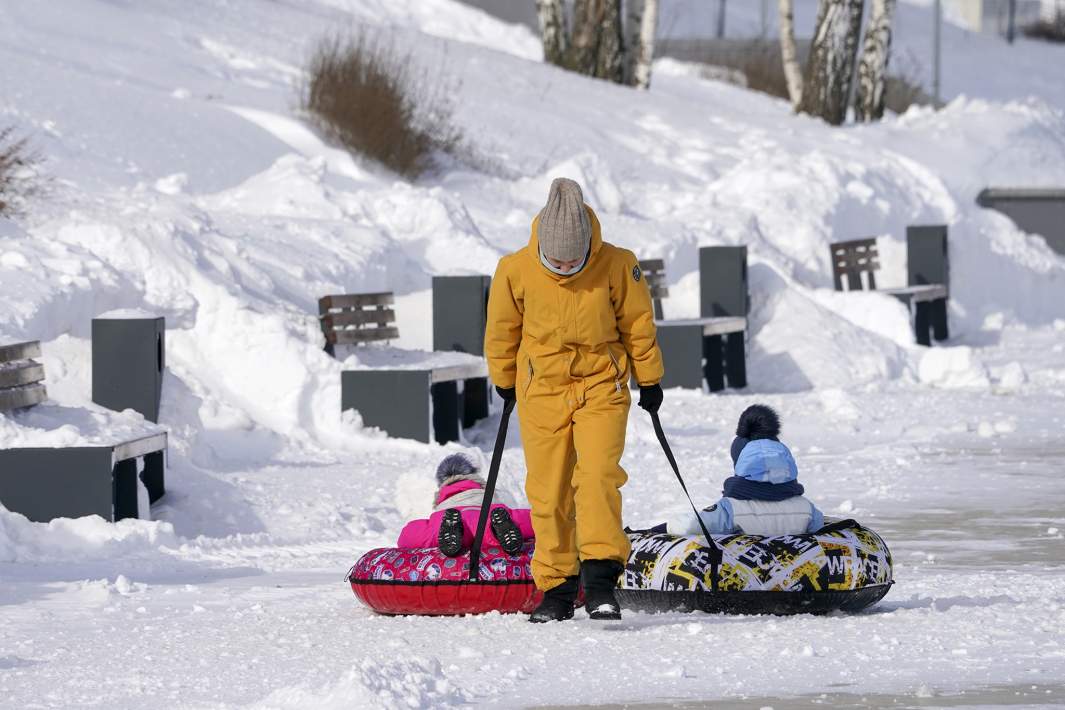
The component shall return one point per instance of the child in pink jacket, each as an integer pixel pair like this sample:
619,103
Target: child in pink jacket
456,507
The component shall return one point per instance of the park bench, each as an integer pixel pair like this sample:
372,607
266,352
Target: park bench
1036,210
427,396
713,346
98,477
927,275
21,377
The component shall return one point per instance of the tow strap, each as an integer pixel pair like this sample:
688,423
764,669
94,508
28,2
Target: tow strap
489,491
715,551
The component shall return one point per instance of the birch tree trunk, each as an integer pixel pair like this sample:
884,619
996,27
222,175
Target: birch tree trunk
872,68
644,49
610,59
788,53
583,50
552,30
827,85
640,26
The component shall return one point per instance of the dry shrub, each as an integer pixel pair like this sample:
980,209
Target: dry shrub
17,176
900,93
758,60
1049,29
366,95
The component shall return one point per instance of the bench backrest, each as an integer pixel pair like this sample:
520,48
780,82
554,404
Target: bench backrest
654,272
927,256
460,313
21,377
353,319
851,260
723,287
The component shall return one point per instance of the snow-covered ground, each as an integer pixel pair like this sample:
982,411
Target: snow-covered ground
185,183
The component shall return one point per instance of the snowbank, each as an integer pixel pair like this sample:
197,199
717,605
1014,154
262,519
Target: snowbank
79,539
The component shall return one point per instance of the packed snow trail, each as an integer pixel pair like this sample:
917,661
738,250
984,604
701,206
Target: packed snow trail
271,623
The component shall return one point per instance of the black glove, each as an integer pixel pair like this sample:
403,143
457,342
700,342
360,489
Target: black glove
506,393
650,397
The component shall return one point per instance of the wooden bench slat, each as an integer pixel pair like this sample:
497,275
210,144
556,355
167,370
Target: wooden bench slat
659,292
20,351
364,335
355,300
653,265
22,397
344,318
851,259
22,373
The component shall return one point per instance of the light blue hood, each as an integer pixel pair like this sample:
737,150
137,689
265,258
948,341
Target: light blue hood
766,461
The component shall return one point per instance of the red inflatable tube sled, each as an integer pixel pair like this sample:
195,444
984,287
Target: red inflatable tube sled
393,580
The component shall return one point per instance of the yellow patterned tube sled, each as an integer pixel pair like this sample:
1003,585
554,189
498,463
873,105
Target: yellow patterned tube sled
842,567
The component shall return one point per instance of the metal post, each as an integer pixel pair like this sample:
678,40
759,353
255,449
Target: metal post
720,18
937,21
1011,27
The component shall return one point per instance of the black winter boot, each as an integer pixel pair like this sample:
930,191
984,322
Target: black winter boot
506,531
557,604
449,539
600,578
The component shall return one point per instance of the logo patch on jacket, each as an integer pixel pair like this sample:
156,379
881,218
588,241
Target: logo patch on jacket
636,273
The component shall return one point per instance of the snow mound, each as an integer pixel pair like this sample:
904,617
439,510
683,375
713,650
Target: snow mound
51,425
953,368
391,683
79,539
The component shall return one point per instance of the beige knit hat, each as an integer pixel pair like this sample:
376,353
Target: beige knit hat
564,230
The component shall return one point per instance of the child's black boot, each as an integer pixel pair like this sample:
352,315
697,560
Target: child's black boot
506,531
449,539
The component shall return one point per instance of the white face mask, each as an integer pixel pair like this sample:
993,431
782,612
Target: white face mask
560,272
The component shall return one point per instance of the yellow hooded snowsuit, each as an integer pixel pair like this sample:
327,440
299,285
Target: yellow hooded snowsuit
566,344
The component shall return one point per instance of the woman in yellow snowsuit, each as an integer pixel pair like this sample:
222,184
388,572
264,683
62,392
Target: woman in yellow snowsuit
569,319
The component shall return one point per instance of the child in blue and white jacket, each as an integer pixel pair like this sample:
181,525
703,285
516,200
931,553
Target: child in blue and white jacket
764,497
